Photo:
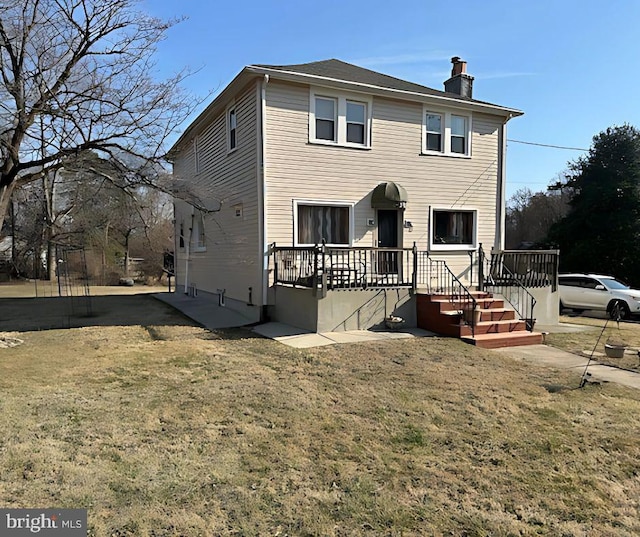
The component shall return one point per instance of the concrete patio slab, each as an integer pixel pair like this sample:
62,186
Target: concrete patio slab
300,339
204,311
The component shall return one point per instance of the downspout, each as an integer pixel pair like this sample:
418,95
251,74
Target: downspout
501,190
262,188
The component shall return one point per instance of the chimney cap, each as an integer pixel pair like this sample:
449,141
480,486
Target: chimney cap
459,66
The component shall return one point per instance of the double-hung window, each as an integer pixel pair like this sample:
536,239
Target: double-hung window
458,134
340,119
315,222
446,133
326,118
232,128
434,126
197,233
356,122
453,229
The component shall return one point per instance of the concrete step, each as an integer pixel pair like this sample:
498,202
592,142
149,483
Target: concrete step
497,314
495,327
509,339
483,303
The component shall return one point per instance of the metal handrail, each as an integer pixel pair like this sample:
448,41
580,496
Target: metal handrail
344,268
441,280
503,282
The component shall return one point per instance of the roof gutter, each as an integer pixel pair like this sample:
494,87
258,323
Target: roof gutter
251,71
380,90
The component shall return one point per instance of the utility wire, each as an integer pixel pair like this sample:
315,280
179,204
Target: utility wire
547,145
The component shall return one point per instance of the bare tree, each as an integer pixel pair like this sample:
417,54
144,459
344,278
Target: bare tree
77,75
530,216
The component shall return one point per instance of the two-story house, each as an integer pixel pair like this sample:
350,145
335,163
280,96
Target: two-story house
314,193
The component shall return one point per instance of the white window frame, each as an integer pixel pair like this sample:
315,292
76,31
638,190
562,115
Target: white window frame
334,140
231,109
324,203
341,99
181,236
435,246
198,236
446,115
426,132
196,155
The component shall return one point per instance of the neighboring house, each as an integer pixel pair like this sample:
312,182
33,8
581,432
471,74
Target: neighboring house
317,194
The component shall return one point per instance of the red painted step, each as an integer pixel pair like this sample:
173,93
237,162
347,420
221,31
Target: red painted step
496,324
510,339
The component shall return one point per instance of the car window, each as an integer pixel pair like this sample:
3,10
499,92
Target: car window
614,284
569,281
589,283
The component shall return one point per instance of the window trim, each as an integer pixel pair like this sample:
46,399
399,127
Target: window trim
197,232
427,132
334,100
231,109
324,203
341,99
181,236
453,247
446,131
196,155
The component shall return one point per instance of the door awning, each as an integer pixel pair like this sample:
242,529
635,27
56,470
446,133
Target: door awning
389,196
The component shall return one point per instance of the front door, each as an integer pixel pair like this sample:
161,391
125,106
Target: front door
387,238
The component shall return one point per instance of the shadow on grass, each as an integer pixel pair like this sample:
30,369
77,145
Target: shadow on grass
54,313
50,313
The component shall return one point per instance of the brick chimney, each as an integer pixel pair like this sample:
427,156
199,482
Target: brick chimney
460,82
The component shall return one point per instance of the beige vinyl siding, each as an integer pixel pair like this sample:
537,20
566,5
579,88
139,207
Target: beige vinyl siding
298,169
225,180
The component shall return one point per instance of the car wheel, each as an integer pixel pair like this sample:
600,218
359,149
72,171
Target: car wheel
577,311
619,310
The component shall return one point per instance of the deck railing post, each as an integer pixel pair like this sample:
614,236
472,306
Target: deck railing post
480,268
414,276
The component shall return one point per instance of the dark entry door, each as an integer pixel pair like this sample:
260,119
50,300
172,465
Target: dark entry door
387,238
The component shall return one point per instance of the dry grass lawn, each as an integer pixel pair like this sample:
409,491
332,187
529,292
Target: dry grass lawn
160,428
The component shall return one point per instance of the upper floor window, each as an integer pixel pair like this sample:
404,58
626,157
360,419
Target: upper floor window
232,124
181,235
356,122
196,155
458,134
434,132
340,119
446,133
326,110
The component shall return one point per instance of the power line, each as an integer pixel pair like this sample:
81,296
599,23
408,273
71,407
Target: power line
547,145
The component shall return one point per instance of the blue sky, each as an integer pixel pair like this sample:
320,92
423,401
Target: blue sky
571,66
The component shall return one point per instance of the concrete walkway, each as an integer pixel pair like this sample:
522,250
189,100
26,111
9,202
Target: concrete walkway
559,359
204,311
301,339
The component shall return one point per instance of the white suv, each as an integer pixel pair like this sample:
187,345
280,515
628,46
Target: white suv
595,292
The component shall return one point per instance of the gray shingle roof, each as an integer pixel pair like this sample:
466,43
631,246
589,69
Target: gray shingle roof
352,73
